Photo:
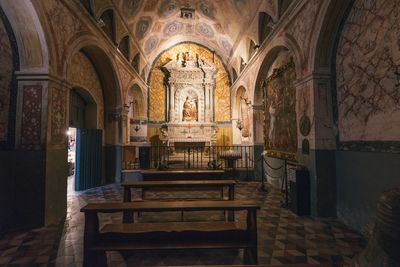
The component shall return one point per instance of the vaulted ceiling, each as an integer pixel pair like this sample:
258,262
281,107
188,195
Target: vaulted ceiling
159,24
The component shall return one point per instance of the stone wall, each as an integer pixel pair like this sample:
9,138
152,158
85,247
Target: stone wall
368,95
368,73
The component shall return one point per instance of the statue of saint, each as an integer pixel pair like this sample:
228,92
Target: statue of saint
189,110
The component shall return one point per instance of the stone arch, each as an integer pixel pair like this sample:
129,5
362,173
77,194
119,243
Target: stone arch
104,66
29,34
324,43
110,84
81,73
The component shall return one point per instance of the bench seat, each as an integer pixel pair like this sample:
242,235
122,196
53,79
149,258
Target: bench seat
168,235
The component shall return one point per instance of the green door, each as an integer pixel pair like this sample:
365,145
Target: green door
88,158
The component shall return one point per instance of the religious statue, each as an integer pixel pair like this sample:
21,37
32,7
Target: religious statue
189,110
272,126
244,112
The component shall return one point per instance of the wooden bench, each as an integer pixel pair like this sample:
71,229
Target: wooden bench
155,175
168,235
177,185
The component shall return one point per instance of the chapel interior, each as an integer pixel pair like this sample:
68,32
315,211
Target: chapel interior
293,103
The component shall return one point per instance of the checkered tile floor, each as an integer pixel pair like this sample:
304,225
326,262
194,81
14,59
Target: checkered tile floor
283,237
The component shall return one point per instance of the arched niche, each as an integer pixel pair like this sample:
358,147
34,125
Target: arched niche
136,102
242,113
108,23
29,34
234,75
264,26
123,46
81,73
136,62
252,48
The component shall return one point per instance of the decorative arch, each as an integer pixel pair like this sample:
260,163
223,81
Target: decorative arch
324,45
82,74
104,66
33,49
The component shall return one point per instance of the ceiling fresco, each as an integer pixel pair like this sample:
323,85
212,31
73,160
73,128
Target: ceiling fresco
160,24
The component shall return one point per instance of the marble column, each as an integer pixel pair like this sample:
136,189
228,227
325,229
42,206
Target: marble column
172,102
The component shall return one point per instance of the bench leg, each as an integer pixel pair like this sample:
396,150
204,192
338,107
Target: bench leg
94,259
127,216
250,256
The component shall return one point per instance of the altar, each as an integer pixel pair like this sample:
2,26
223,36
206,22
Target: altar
190,102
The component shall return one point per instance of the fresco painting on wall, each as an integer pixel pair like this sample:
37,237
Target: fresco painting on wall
280,113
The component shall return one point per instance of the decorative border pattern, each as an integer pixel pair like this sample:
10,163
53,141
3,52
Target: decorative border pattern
31,115
58,116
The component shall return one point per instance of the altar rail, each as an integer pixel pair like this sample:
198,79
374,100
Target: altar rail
198,157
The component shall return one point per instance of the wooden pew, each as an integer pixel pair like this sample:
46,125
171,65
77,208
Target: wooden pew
168,235
156,175
177,185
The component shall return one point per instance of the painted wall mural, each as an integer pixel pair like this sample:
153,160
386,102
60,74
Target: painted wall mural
157,98
280,112
64,26
82,73
58,116
6,69
31,115
368,73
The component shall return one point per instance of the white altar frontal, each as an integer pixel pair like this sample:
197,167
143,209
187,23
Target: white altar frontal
190,102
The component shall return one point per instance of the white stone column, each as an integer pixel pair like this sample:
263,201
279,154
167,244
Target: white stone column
171,102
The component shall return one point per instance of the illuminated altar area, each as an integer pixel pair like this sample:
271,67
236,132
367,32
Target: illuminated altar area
190,101
189,89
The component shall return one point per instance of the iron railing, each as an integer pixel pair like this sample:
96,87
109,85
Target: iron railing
198,157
